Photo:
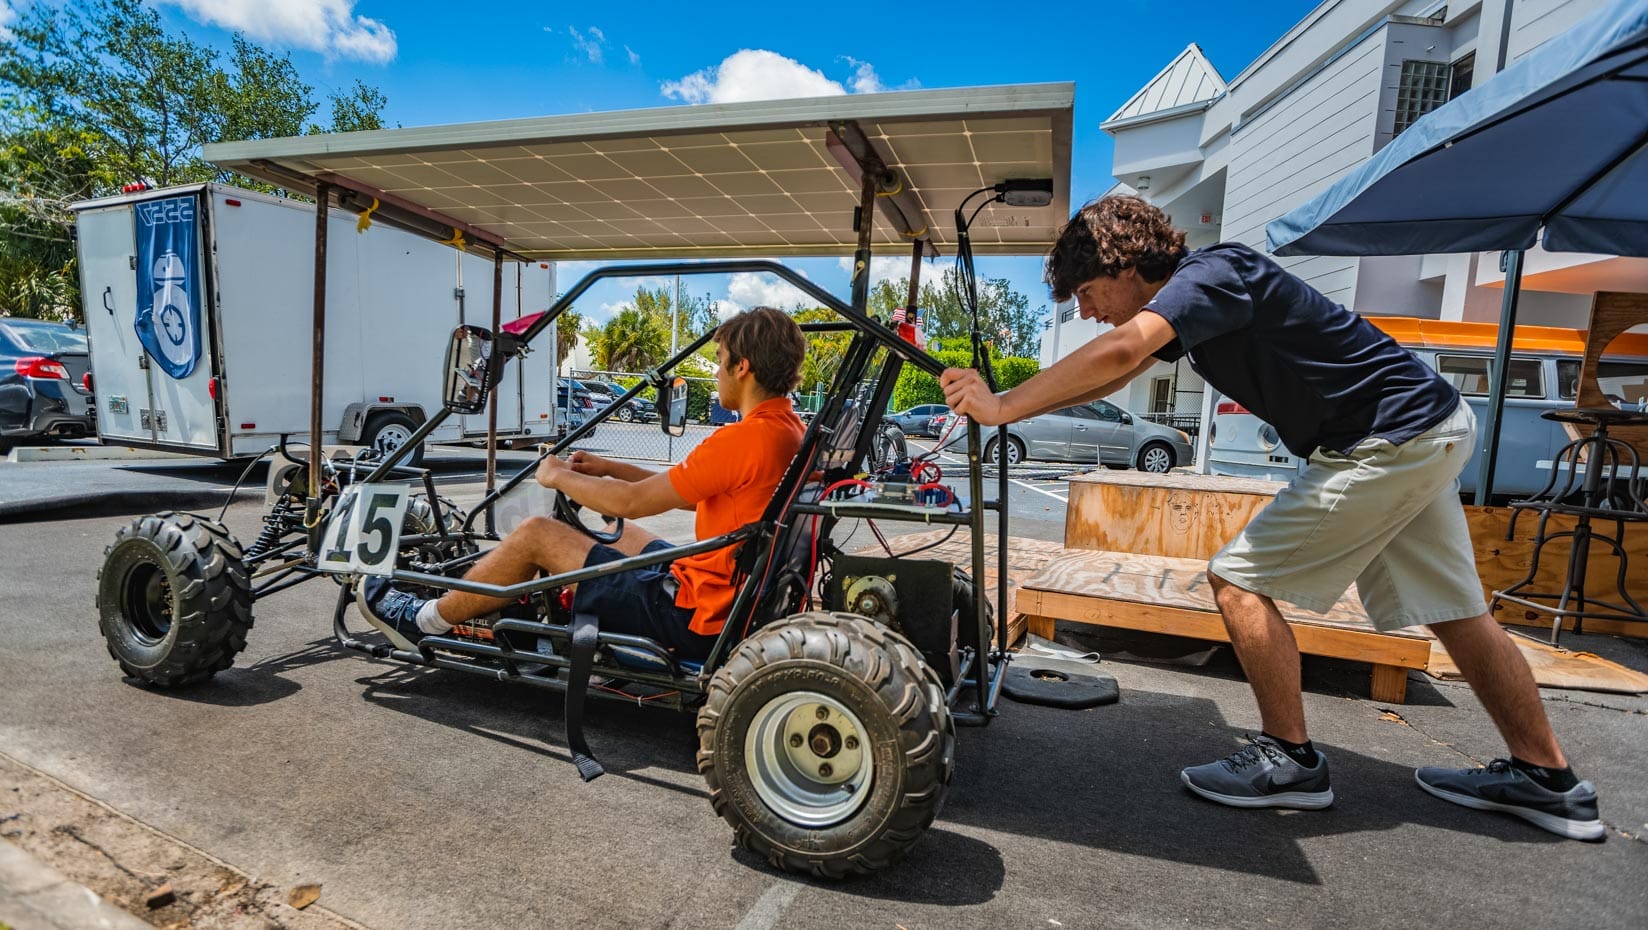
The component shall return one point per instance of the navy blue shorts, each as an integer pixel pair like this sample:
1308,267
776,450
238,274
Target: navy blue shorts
640,602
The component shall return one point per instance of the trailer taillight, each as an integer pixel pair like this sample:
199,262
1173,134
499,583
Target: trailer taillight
1229,406
211,389
86,382
36,366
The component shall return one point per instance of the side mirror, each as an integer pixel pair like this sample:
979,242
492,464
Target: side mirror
469,374
672,405
1127,418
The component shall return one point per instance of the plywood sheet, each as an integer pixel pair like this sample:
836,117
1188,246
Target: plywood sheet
1555,668
1171,516
1503,562
1169,582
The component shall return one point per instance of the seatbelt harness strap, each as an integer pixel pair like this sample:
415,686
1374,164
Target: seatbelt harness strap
585,634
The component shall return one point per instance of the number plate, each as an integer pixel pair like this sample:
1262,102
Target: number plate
363,534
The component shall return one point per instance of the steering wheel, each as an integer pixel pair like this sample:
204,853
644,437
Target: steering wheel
568,510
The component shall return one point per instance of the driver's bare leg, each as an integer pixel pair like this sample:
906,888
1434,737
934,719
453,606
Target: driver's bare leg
633,541
538,544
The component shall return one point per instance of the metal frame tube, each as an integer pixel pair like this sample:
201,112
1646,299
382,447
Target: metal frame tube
317,356
1501,377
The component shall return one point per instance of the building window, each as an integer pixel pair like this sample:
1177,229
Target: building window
1462,72
1424,87
1067,314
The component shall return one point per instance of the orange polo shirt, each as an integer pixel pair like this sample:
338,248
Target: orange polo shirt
730,478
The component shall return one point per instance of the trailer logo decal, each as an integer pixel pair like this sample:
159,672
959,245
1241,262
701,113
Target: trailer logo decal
168,316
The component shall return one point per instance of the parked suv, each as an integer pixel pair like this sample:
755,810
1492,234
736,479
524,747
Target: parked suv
605,393
45,382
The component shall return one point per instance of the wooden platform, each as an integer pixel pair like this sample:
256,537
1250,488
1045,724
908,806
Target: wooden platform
1163,594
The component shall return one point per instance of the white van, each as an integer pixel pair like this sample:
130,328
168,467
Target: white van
1544,375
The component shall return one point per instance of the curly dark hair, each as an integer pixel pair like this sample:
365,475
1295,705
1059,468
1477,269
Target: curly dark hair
772,343
1109,235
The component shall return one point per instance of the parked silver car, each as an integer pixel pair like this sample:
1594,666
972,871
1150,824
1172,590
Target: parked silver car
1093,432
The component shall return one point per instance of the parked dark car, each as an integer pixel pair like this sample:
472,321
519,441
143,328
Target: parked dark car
572,414
638,410
917,420
45,383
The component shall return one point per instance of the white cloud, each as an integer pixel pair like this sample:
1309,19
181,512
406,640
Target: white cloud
7,17
748,289
726,308
893,268
634,58
752,74
326,26
590,43
865,80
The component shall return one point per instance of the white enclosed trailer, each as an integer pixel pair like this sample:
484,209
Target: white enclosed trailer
198,303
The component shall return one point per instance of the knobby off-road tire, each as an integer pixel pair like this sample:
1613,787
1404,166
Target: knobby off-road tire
174,599
821,689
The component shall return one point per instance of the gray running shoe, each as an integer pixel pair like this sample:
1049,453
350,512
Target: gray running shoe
1498,786
394,613
1261,774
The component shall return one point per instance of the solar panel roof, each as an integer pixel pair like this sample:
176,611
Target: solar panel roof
738,179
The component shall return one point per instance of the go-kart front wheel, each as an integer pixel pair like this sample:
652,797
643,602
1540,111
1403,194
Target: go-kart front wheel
827,744
174,599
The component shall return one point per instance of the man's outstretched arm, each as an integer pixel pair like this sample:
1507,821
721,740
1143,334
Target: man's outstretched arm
1100,367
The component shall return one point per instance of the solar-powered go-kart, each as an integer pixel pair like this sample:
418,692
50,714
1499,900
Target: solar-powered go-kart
827,706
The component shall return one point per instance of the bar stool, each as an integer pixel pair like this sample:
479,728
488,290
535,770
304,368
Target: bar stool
1612,490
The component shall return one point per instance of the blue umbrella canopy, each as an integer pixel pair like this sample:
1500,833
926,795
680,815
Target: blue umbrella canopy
1557,141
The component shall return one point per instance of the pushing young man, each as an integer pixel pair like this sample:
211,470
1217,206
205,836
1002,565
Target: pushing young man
1378,503
728,480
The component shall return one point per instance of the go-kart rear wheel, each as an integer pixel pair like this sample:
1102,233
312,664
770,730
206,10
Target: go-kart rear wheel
827,744
174,599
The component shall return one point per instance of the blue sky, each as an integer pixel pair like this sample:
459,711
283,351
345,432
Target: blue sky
461,62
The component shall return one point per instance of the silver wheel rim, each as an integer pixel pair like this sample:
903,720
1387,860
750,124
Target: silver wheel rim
805,754
1157,459
391,437
626,415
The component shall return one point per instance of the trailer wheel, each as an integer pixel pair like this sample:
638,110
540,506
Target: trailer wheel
826,744
387,431
174,599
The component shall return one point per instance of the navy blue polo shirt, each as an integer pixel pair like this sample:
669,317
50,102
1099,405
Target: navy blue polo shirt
1323,376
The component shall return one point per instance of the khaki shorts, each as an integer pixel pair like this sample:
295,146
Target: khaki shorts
1385,516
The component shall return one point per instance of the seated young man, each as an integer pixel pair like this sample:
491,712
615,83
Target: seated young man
728,480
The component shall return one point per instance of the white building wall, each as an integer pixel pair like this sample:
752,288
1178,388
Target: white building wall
1315,105
1298,146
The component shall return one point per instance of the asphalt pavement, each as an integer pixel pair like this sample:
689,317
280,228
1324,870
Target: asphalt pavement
422,798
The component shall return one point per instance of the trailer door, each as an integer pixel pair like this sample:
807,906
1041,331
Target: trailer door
108,286
174,319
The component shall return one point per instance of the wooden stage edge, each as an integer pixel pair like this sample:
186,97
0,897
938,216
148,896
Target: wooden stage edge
1389,656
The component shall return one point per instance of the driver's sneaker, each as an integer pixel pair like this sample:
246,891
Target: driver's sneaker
1262,774
395,613
1500,786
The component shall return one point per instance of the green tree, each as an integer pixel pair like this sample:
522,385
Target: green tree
1005,316
824,350
357,109
95,93
567,328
